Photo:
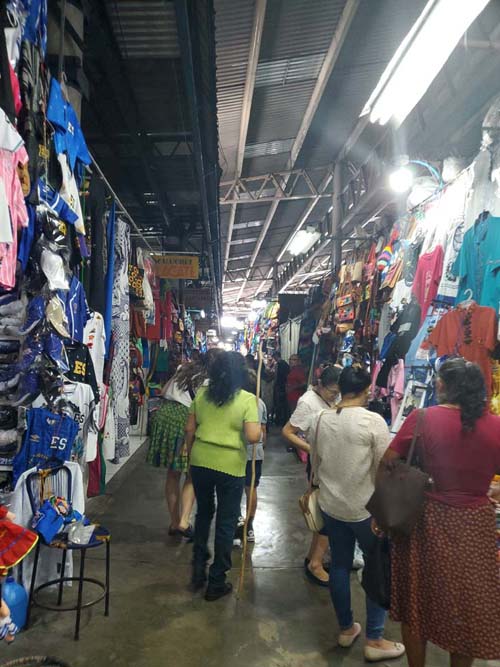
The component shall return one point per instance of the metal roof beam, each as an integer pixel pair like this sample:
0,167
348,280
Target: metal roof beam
324,75
253,59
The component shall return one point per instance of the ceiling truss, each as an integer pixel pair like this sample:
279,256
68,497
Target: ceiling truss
278,186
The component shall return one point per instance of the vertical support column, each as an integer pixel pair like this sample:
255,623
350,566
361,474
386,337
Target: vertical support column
336,228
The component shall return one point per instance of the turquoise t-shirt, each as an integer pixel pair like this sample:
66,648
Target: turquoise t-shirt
478,263
219,440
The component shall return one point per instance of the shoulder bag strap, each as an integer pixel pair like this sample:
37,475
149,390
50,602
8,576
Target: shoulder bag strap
314,452
416,434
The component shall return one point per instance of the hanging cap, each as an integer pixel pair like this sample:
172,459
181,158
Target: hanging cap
55,315
53,267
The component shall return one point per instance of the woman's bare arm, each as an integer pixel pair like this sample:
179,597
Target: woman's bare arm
290,433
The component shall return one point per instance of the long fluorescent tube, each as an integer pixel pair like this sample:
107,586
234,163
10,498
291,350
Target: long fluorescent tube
420,57
302,241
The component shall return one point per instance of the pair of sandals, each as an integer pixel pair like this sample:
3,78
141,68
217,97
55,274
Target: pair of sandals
372,654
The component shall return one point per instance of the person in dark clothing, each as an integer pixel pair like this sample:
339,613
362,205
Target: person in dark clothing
280,408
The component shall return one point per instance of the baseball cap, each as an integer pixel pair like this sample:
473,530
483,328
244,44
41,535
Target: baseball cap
53,267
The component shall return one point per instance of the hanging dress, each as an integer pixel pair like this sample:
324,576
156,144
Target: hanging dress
120,332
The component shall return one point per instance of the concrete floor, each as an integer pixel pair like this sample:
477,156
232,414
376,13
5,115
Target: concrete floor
281,621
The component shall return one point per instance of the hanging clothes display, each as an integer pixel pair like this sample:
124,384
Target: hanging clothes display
120,331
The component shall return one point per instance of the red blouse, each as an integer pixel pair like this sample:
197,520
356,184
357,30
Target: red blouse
461,463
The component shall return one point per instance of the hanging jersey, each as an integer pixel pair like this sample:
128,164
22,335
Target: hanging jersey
48,436
76,308
68,137
94,337
81,368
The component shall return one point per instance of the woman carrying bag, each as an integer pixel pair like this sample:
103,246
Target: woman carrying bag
445,575
349,445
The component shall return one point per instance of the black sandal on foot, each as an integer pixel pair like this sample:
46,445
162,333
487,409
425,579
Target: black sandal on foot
187,533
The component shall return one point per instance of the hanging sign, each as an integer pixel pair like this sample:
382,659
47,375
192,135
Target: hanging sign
177,266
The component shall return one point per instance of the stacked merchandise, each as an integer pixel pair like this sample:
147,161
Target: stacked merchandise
427,289
263,329
64,273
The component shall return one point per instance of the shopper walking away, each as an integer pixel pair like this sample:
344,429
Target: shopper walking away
251,386
298,432
445,577
167,444
296,382
346,453
223,419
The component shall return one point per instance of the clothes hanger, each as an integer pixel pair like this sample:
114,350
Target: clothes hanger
468,301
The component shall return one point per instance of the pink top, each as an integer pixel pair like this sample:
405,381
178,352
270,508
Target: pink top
9,161
427,278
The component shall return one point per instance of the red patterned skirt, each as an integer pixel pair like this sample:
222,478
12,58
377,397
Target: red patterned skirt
446,580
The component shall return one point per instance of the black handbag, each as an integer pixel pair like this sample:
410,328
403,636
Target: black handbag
376,579
398,500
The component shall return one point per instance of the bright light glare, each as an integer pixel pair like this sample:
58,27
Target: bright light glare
258,303
401,180
202,314
252,316
420,57
302,241
228,322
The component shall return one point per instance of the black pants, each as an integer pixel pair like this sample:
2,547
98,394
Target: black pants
229,489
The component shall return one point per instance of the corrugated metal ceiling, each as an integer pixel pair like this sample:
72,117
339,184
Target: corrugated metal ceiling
144,28
233,22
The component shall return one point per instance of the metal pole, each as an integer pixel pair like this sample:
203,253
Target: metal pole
62,25
336,219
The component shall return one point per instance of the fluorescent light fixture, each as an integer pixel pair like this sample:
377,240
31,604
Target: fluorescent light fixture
303,240
401,179
228,322
257,304
202,314
420,57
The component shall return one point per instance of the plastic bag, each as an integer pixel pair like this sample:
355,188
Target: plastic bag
79,533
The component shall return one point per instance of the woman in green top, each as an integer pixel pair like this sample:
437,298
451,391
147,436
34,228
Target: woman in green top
223,418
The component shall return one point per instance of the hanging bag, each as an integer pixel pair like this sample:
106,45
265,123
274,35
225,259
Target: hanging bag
309,502
398,500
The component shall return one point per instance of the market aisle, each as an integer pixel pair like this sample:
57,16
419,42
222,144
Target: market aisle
282,621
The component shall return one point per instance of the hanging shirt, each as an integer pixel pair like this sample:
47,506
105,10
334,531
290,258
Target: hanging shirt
47,436
76,308
81,408
10,139
69,192
68,137
470,333
427,278
81,368
94,337
478,263
448,287
9,160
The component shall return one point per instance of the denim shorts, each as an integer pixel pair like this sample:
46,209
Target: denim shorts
258,473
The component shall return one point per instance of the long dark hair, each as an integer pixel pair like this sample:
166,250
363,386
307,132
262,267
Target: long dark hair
330,375
463,385
227,375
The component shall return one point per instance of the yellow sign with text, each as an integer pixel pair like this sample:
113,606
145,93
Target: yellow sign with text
177,266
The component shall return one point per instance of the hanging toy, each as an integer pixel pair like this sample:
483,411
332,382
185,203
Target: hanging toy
385,257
